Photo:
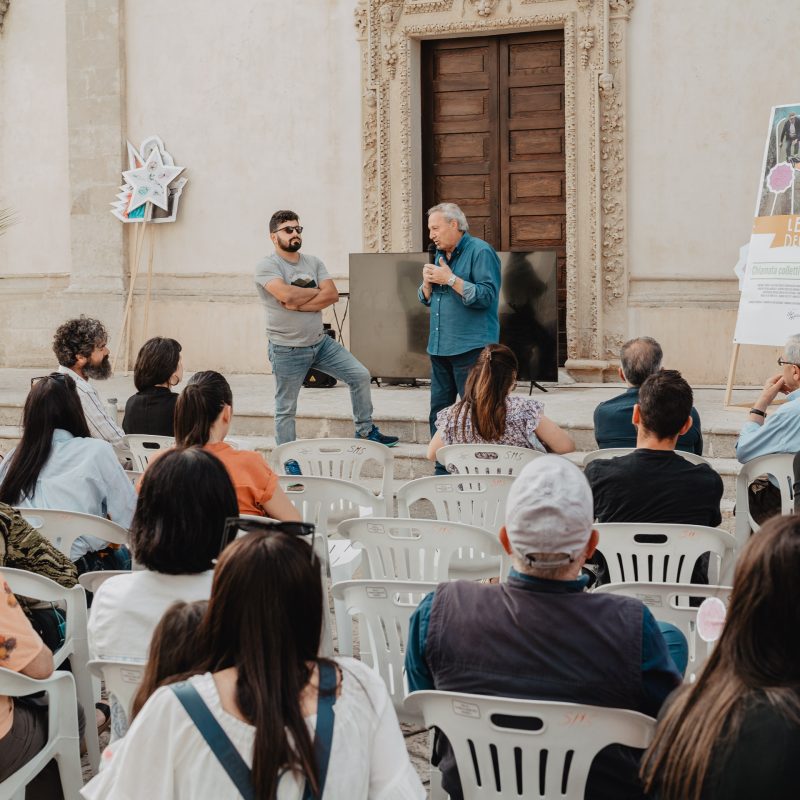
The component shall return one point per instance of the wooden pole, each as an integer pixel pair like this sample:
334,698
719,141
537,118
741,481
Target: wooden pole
731,373
125,327
149,282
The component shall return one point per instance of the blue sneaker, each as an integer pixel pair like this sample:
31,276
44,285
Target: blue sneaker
291,467
376,436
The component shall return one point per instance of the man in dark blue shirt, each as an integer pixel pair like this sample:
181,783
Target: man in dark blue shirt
613,420
462,290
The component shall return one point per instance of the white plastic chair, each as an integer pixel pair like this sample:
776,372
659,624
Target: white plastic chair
62,528
316,498
384,609
122,680
780,467
63,737
144,447
669,602
336,458
547,756
613,452
474,500
425,549
92,581
485,459
75,647
663,553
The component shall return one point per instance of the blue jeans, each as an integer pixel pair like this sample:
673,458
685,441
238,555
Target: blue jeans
448,376
290,366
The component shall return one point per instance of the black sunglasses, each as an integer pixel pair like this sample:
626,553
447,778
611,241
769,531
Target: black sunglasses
232,524
291,229
56,376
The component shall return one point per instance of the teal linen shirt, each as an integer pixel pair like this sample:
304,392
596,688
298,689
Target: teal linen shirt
460,323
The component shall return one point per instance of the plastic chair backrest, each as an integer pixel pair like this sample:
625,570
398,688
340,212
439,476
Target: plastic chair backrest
669,602
62,732
508,748
485,459
422,549
613,452
781,467
92,581
122,680
336,458
474,500
75,646
662,553
144,447
62,528
384,609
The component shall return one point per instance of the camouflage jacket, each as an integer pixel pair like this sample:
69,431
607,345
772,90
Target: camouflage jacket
23,547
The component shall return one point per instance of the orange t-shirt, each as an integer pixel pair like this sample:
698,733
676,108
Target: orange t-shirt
19,645
254,481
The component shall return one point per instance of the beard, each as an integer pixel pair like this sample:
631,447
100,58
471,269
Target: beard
293,246
99,372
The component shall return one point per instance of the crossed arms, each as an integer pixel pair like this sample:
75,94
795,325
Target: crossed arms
298,298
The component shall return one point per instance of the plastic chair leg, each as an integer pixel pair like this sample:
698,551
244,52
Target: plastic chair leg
69,767
85,692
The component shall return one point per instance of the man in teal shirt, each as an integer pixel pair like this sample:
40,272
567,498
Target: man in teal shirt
462,290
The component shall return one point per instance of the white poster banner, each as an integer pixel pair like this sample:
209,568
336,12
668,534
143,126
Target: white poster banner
769,306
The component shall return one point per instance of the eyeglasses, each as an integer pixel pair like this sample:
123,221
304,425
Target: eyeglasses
782,363
291,229
56,376
248,525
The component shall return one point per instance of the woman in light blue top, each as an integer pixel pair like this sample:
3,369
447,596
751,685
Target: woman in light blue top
58,465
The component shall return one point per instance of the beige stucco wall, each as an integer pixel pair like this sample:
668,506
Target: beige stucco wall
701,83
34,174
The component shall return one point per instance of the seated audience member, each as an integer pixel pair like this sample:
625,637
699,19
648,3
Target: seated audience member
174,648
735,733
177,532
158,368
58,465
81,348
540,636
777,432
489,412
23,721
654,483
203,418
640,358
23,547
260,677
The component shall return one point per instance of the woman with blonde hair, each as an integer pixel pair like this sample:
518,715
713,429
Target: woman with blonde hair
489,413
735,733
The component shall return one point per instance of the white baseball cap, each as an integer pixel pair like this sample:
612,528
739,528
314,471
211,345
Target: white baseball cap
549,510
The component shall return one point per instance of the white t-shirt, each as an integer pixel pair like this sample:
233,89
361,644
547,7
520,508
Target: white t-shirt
165,756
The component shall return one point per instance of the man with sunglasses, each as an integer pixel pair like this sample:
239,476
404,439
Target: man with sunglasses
777,432
294,288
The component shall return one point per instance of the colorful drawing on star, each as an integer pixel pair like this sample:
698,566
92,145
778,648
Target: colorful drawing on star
153,178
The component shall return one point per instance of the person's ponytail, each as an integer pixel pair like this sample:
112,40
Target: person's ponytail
198,406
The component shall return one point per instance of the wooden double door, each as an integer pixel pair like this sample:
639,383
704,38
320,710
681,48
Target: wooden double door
493,140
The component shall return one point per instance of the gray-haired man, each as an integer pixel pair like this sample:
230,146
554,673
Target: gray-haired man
613,419
461,289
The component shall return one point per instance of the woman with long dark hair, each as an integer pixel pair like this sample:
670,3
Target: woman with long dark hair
203,418
489,413
735,733
58,465
159,368
262,682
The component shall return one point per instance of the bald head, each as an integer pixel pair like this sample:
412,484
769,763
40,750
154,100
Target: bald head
640,358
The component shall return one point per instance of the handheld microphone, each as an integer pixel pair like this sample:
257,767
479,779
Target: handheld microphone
431,253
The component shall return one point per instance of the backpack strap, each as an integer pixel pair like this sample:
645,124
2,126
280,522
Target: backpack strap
323,735
216,738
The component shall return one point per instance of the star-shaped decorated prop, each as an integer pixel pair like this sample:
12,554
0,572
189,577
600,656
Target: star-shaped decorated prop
152,177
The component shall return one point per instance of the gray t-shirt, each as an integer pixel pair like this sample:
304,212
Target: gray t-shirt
292,328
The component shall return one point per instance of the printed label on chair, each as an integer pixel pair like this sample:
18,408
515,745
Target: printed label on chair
652,600
132,675
376,593
466,709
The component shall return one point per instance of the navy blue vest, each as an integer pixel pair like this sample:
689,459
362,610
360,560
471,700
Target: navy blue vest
514,640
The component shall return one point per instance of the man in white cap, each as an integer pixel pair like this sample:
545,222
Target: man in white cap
540,636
